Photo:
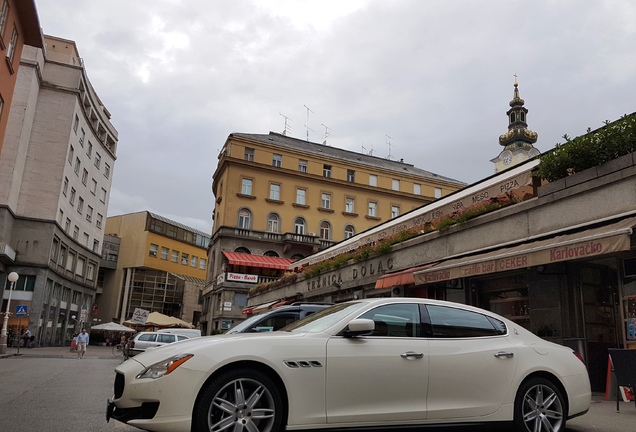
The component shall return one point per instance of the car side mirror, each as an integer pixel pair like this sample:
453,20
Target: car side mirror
359,327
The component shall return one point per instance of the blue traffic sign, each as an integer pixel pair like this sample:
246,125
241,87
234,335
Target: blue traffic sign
21,310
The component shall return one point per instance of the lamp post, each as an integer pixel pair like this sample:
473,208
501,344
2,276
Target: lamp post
13,277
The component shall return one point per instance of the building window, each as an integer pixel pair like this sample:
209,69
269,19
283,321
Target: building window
93,186
71,153
106,170
90,271
184,258
395,211
395,184
164,252
417,189
12,47
326,171
438,192
194,261
277,160
96,246
61,216
98,160
153,250
373,180
202,263
302,166
325,201
299,226
244,219
80,205
4,15
274,192
349,205
249,154
67,225
1,105
351,176
78,164
98,221
72,197
75,232
272,223
349,231
65,186
102,195
84,176
76,123
301,196
89,150
246,187
175,256
373,209
82,136
89,213
325,230
85,239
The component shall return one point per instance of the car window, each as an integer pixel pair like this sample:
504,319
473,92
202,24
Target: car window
450,322
179,337
165,338
323,319
275,322
395,320
148,337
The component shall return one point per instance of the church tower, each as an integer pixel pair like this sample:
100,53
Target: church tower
518,141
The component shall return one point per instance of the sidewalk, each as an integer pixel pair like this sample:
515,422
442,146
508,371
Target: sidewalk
92,351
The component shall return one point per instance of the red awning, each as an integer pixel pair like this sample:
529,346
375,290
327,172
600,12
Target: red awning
248,260
403,277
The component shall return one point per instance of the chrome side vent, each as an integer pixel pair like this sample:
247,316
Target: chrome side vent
294,364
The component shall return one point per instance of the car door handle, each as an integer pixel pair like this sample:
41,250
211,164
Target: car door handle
503,354
411,354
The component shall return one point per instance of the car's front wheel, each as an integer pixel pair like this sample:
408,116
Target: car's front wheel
540,407
239,400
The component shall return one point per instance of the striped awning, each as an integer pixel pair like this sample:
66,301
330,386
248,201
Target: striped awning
248,260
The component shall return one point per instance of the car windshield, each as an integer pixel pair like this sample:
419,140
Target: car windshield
323,319
240,328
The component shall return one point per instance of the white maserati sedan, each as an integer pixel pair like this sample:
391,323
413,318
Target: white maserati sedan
389,362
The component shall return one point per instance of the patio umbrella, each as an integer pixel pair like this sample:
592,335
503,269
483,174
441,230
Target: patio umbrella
113,326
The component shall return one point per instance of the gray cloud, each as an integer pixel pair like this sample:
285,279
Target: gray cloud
179,76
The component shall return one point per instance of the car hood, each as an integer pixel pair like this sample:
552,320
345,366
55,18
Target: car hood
226,344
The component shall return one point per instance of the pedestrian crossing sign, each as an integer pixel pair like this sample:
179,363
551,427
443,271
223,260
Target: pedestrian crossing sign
21,310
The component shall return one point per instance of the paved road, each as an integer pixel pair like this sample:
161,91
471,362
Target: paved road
48,389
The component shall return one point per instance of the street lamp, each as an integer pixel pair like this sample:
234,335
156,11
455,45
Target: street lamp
13,277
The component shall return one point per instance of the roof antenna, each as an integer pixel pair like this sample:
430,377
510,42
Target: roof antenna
287,127
364,148
327,134
307,124
389,143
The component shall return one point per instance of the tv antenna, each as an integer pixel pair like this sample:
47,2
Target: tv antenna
287,127
307,124
370,153
389,144
327,134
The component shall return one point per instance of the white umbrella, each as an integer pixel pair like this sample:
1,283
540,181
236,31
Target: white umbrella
112,326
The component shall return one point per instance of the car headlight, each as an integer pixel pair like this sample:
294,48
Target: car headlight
164,367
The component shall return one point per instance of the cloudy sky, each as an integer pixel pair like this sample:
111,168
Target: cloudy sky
435,76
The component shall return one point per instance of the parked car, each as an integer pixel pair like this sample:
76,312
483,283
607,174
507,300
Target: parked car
374,363
190,333
145,340
278,318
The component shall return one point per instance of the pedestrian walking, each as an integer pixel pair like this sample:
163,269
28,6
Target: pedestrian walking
26,336
82,341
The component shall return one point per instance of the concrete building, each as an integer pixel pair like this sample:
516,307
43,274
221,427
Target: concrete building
56,169
152,263
558,259
19,26
280,199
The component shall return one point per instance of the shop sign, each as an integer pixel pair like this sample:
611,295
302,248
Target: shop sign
365,269
241,277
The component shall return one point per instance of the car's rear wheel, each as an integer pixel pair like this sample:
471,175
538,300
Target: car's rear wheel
239,400
540,407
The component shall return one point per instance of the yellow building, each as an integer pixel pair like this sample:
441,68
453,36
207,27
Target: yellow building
152,263
287,198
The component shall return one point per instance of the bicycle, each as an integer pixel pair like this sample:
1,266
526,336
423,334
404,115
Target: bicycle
118,350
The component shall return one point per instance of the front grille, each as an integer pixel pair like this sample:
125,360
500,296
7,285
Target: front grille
120,383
